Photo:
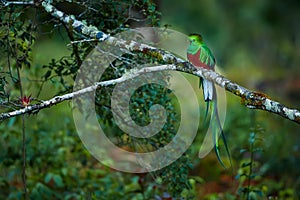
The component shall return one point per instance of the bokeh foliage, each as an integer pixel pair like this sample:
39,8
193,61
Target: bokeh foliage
52,171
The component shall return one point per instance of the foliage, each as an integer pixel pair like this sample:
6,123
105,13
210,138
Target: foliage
246,173
252,183
52,171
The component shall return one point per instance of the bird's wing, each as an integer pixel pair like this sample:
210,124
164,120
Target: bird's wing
207,57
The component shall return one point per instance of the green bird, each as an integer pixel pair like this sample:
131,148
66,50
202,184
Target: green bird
201,57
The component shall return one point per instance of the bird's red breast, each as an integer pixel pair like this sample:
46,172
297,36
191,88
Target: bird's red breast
195,60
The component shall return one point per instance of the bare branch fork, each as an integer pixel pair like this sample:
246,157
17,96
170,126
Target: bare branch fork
250,99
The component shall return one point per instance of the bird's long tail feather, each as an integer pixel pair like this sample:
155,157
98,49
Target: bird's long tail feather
208,94
218,131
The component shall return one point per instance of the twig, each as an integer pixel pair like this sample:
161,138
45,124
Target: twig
24,178
7,3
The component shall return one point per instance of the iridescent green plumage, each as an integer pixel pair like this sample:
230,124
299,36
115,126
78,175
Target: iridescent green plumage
201,57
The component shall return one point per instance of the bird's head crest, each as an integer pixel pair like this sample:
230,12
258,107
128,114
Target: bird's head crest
195,38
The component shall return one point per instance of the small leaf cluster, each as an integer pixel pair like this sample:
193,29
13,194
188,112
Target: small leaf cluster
247,175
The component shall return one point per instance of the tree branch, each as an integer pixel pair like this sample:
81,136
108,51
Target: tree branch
31,109
250,99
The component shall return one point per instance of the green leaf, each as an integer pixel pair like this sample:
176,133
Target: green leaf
47,74
3,32
133,187
198,179
11,122
243,151
48,177
252,138
58,181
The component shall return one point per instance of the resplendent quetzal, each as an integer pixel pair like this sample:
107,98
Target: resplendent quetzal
201,57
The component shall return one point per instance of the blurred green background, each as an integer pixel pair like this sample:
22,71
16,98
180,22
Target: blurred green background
256,44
